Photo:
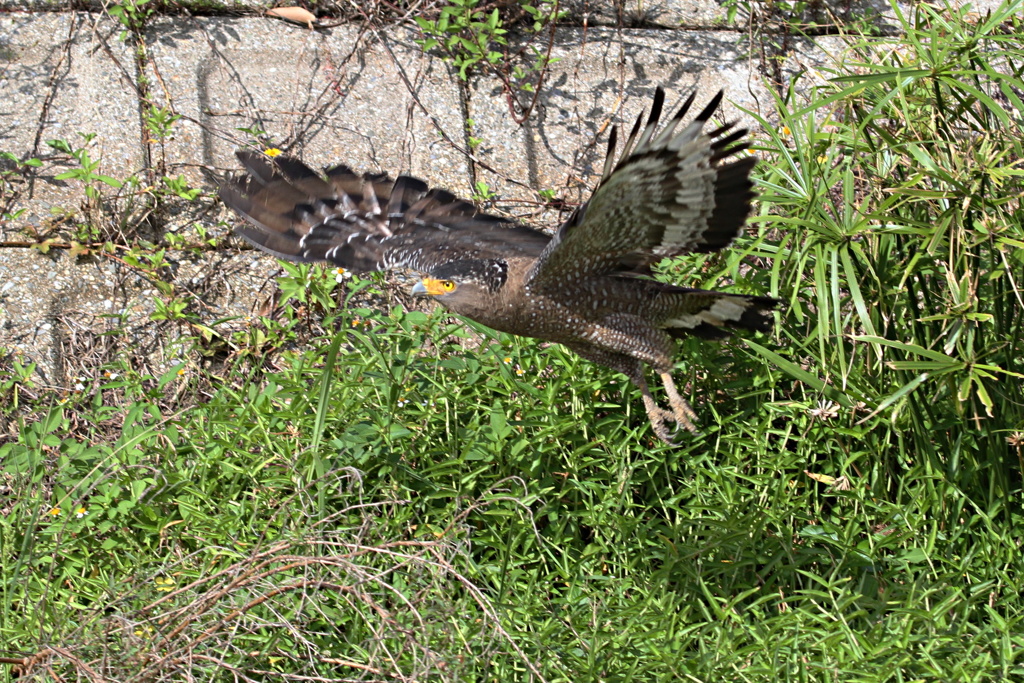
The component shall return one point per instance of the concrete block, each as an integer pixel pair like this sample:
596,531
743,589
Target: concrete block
331,96
66,74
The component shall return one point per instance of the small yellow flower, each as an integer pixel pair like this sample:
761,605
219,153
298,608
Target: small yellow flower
54,512
341,274
181,372
822,158
507,360
81,511
164,584
520,371
786,130
273,152
355,322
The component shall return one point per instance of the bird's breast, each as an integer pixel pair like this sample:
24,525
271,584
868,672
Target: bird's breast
547,318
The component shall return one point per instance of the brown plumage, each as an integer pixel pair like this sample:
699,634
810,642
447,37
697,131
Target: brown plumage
672,192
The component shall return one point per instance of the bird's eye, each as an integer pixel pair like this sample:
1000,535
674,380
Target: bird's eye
448,285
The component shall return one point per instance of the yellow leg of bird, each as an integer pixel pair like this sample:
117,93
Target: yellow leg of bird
658,416
681,414
682,411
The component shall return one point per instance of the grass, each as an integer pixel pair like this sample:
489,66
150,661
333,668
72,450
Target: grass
388,496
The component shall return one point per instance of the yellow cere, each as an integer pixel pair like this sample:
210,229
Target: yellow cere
438,287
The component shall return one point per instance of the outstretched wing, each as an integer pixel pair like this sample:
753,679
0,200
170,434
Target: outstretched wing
670,194
367,222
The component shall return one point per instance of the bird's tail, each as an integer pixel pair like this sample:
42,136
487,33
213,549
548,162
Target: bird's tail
711,315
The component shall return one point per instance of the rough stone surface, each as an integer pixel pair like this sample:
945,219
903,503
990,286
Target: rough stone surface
49,299
603,78
64,76
329,97
627,14
56,309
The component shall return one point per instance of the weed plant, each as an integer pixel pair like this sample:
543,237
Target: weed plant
407,498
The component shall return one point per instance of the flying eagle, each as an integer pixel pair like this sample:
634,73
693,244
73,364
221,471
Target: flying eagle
587,286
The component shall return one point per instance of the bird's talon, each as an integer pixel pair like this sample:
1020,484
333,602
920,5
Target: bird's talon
659,421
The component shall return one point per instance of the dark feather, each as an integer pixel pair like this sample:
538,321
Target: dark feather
657,201
365,222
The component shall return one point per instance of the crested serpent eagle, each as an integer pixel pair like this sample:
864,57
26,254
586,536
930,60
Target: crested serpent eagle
587,286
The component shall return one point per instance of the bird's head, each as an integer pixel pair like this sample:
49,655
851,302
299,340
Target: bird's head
464,285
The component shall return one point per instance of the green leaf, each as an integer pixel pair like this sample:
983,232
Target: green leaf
795,371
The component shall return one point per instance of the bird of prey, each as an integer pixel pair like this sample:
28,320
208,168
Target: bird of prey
587,286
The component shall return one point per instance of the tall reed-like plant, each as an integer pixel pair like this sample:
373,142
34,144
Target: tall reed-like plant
895,188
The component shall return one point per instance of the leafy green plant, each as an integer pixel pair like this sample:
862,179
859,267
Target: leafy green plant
160,122
550,197
465,33
12,171
179,187
912,273
482,192
474,39
474,142
150,262
87,168
16,376
132,14
543,15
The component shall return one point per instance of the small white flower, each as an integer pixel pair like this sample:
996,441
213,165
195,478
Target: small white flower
826,410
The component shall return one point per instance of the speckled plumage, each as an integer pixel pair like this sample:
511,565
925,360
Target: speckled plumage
673,191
